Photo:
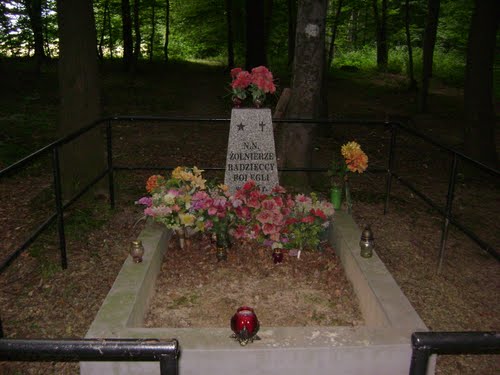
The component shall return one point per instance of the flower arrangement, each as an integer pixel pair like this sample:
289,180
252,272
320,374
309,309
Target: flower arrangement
257,84
309,218
276,220
261,217
170,202
354,160
214,208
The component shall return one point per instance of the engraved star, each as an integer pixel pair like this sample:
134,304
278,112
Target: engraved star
262,126
241,126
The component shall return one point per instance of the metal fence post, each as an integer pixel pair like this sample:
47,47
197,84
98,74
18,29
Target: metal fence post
59,206
448,209
390,167
109,153
169,365
419,361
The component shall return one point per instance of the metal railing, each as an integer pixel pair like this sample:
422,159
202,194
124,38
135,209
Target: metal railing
84,350
144,350
395,128
424,344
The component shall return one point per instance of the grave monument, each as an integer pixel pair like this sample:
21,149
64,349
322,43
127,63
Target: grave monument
251,153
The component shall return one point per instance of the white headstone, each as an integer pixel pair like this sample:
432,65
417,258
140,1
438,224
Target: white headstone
251,154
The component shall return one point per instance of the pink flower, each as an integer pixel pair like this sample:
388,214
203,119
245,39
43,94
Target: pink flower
264,217
235,72
242,80
269,204
278,189
147,201
269,228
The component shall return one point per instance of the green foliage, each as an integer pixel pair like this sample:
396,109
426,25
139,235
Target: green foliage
449,66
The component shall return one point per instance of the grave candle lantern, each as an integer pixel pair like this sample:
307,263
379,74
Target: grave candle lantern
137,251
245,325
367,243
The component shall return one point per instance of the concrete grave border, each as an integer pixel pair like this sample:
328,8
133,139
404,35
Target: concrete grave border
381,346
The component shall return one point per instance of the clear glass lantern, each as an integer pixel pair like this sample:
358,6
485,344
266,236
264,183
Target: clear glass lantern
367,243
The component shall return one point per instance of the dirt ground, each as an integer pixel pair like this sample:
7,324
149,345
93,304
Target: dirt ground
39,300
310,291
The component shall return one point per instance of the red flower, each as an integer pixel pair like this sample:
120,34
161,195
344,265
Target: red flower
249,185
308,219
317,212
242,80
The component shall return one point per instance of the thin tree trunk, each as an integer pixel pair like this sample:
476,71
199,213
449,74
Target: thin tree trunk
167,29
479,134
128,50
381,32
255,34
103,29
34,10
153,31
137,32
292,24
353,27
111,45
229,24
413,82
430,32
335,24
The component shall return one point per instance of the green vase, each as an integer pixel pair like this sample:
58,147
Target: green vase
336,197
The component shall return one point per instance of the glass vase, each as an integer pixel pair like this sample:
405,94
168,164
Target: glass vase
222,244
336,196
348,200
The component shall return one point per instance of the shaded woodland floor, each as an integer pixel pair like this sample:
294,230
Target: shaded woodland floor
37,299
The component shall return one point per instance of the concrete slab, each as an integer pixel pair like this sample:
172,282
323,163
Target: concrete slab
381,346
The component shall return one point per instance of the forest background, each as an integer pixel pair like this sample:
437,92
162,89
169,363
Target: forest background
172,57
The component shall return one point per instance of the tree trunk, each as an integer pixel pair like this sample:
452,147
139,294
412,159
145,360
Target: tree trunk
411,76
335,24
34,10
255,34
167,29
137,32
430,32
83,158
307,87
229,24
381,33
353,28
153,31
128,51
292,25
479,132
103,30
111,42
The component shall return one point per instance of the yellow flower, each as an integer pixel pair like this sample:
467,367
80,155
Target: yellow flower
355,159
169,198
197,172
198,182
176,173
187,219
223,187
349,149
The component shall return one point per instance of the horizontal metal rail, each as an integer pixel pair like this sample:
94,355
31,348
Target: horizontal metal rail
83,350
424,344
166,120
